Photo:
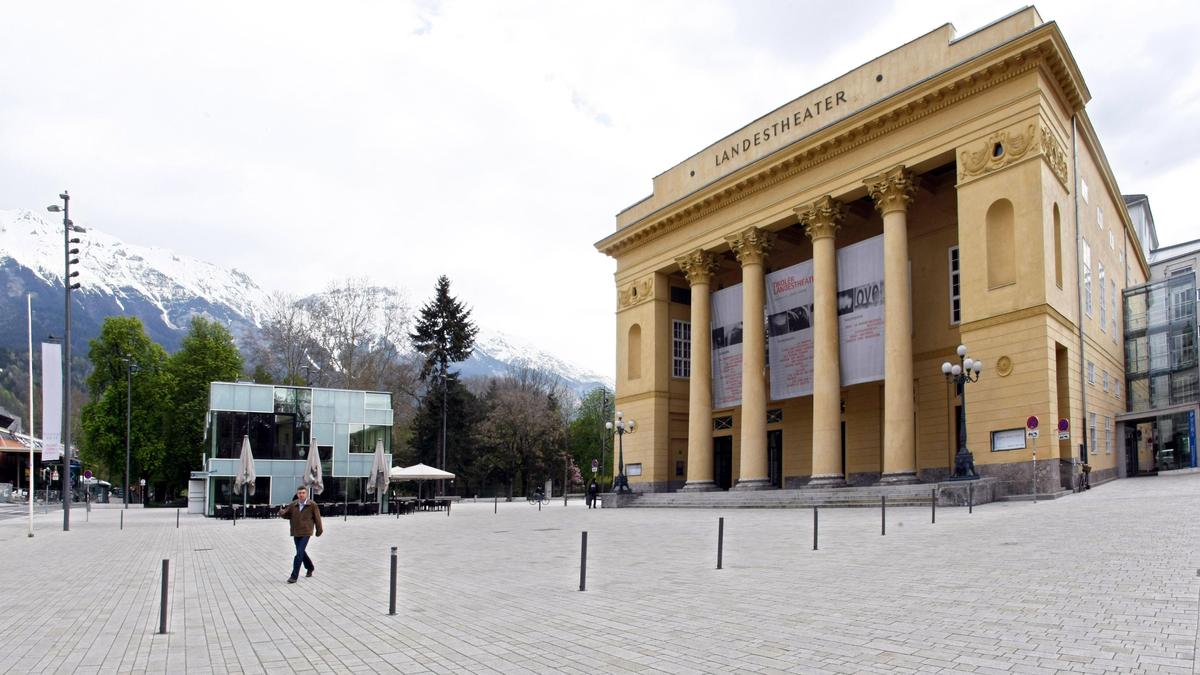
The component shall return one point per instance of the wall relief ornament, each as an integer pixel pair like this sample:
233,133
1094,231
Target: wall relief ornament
1004,366
699,266
1010,146
635,292
822,218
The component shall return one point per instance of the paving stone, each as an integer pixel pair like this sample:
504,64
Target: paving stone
1105,581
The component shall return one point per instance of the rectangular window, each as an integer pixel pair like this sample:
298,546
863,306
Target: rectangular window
1092,432
1099,218
1104,379
1087,278
1103,299
1091,372
955,290
1112,241
1108,442
1112,317
681,349
723,422
1083,189
1117,388
775,416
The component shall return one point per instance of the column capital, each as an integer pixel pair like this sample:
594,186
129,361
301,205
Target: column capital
822,218
699,266
751,245
893,189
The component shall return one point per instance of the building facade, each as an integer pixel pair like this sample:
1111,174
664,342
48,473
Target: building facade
837,250
284,424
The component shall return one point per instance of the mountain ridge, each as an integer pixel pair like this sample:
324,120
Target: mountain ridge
165,289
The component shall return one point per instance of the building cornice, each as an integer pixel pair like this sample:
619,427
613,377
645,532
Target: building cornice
1040,47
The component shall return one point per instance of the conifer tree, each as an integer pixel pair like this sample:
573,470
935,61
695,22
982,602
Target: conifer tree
444,335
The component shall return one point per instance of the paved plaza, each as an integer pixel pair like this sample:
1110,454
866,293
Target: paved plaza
1106,581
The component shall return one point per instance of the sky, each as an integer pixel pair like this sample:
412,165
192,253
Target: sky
493,142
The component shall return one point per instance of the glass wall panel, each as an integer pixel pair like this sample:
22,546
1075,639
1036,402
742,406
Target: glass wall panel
225,495
262,399
377,401
364,436
221,396
1161,340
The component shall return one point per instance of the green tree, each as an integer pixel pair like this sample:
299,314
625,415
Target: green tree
207,355
122,342
587,439
464,411
444,335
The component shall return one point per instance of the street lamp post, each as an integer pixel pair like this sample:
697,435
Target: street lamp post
621,483
68,286
959,374
130,369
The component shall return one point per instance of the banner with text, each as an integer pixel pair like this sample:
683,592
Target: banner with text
860,311
860,320
789,330
51,402
727,347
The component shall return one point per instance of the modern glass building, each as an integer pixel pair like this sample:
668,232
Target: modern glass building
1162,377
284,424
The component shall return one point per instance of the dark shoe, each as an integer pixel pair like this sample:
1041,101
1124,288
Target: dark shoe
309,573
291,580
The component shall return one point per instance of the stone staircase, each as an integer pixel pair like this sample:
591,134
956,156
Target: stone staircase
948,493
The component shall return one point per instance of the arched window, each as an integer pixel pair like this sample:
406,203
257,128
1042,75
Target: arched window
634,352
1057,247
1001,246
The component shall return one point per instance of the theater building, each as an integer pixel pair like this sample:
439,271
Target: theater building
787,296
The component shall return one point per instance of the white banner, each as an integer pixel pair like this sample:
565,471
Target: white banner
727,347
789,330
860,311
860,320
51,402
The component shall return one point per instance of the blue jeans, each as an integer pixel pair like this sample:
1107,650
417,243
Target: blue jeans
301,557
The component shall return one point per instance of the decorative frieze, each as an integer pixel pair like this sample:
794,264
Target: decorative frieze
1007,147
635,292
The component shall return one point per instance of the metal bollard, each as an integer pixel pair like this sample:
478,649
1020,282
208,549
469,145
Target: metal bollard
933,505
539,506
970,498
177,519
392,594
720,540
448,503
162,609
814,528
583,562
495,504
883,516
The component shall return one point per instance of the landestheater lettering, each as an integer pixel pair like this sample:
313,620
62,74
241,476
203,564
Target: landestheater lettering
780,127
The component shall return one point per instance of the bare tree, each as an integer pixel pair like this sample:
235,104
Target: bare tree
282,345
359,332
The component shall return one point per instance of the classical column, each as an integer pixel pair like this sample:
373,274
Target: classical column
699,266
751,246
892,191
821,222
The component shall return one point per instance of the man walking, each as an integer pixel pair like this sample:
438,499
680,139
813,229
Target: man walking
305,517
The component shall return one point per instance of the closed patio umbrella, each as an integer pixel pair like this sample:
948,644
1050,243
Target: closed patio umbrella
245,479
312,471
377,480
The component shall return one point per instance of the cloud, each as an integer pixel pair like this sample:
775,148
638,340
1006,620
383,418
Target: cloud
493,142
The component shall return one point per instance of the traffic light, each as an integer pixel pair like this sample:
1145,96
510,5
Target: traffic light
72,260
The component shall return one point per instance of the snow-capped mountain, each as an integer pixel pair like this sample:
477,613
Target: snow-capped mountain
165,290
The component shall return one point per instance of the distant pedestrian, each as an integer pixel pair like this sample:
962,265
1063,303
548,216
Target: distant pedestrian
1087,477
592,493
305,517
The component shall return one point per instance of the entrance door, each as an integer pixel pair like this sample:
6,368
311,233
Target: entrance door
775,457
723,462
1131,450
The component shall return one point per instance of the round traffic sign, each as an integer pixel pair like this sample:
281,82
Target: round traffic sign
87,474
1064,424
1032,422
